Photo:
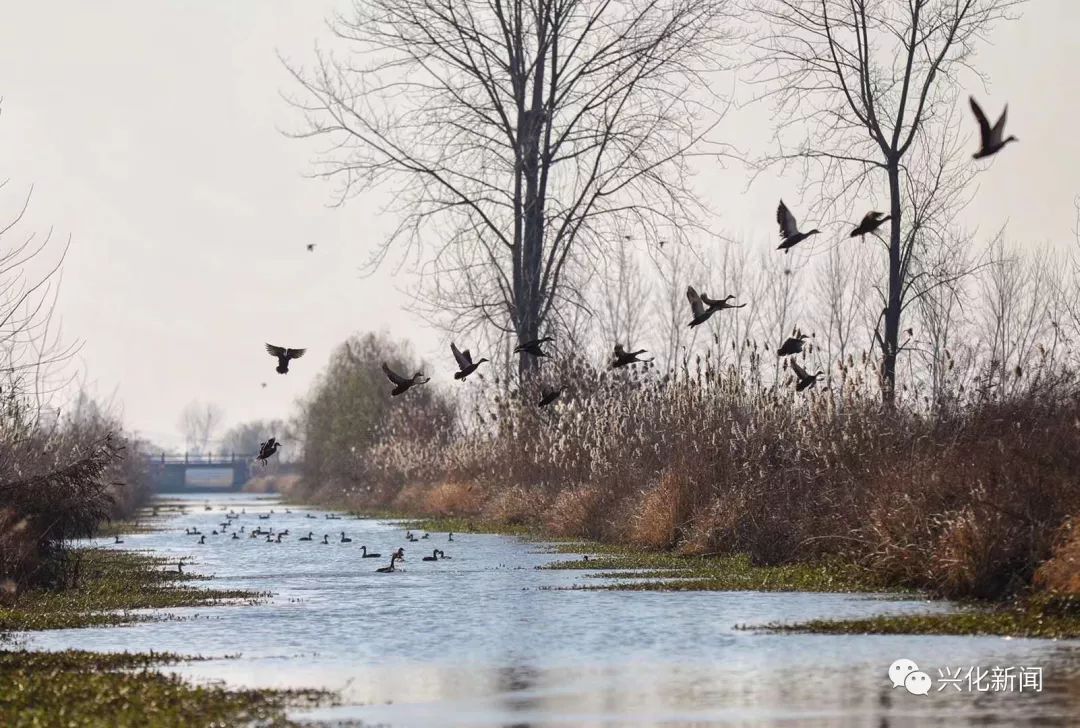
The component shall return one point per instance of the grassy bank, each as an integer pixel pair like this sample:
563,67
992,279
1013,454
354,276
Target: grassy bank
105,587
75,688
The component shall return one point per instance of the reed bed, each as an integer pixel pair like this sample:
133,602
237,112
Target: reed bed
969,498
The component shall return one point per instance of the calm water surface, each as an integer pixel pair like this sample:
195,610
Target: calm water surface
487,639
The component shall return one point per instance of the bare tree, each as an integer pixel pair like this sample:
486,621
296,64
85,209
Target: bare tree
622,295
522,139
870,88
198,423
32,351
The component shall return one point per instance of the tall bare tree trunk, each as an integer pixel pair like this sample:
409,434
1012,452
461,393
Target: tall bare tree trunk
890,343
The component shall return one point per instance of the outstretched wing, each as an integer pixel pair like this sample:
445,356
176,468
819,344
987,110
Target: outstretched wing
984,125
461,357
695,301
619,351
278,351
393,376
799,371
999,128
712,301
294,353
784,218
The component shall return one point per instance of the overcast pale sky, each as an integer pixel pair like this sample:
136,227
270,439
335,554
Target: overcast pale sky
151,133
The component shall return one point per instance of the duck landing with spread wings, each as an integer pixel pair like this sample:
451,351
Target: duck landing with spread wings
789,229
284,356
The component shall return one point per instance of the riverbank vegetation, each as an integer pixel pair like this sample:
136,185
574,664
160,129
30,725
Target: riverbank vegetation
972,498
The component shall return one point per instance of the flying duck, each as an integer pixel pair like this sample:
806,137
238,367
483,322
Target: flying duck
789,229
794,345
871,221
466,365
283,356
990,138
533,346
698,305
547,396
624,357
401,383
266,450
805,380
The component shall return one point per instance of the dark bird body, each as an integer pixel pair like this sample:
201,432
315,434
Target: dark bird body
466,365
547,396
284,356
871,221
991,139
366,555
434,556
624,357
266,450
703,307
794,345
805,380
789,229
533,346
401,383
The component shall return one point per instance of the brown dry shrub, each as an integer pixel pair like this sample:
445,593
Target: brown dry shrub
452,498
1060,574
573,513
659,516
517,506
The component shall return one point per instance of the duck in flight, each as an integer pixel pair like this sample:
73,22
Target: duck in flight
266,451
871,221
284,356
401,384
533,346
991,139
311,247
624,357
398,555
789,229
698,305
466,365
806,381
547,396
794,345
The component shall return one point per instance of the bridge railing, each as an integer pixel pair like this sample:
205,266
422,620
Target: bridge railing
201,459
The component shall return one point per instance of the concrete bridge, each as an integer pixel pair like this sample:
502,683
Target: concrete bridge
190,473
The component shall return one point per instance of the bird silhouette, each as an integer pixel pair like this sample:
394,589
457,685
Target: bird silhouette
794,345
698,305
871,221
283,356
266,450
547,396
401,383
805,380
466,365
533,346
991,139
310,247
623,357
789,229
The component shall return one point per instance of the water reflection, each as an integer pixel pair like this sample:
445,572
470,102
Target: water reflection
482,640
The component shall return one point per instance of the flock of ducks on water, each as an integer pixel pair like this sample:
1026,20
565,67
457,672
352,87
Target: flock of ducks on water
271,537
992,139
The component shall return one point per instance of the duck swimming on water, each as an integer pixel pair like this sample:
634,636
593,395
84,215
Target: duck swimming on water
308,537
398,555
434,556
344,538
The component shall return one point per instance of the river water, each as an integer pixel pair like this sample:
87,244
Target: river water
487,639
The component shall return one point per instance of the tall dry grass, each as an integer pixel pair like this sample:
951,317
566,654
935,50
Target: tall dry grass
965,501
